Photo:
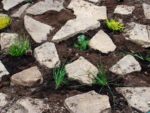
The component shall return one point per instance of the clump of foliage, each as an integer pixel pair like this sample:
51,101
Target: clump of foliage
141,57
114,25
59,75
19,48
82,43
5,21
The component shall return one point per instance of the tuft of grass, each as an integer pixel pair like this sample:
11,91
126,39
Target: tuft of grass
114,25
19,48
141,57
5,21
59,75
82,43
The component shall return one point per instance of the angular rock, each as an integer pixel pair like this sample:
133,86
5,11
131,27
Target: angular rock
73,27
29,77
90,102
81,70
137,97
36,29
139,34
124,9
146,8
7,39
21,11
29,105
101,41
3,70
3,100
126,65
44,6
8,4
47,55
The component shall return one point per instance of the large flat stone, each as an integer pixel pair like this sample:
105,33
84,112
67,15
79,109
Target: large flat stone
47,55
139,34
137,97
3,70
90,102
36,29
146,8
126,65
44,6
29,77
101,41
81,70
3,100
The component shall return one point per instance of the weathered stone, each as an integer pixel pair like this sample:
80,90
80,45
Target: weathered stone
8,4
81,70
21,11
124,9
126,65
3,70
3,100
7,39
146,8
29,77
137,97
44,6
29,105
90,102
139,34
101,41
47,55
36,29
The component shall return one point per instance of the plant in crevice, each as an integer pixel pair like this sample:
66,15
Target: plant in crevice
82,43
141,57
5,21
114,25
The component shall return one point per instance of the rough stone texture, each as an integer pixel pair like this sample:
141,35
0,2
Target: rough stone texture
124,9
137,97
7,39
29,105
21,11
90,102
3,70
139,34
36,29
101,41
73,27
81,70
47,55
8,4
3,100
44,6
146,8
126,65
29,77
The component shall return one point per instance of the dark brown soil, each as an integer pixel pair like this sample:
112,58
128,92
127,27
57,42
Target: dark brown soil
68,54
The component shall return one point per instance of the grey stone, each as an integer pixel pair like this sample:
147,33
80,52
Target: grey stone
146,8
3,100
3,70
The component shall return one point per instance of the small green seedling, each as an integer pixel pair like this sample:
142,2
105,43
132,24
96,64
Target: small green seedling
19,48
114,25
59,75
82,43
5,21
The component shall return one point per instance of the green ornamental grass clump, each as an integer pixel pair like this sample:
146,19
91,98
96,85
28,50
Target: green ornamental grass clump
19,48
114,25
5,21
82,43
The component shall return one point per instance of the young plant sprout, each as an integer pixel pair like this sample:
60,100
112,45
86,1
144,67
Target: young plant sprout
82,43
5,21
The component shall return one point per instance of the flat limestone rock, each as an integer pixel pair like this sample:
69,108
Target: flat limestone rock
126,65
137,97
139,34
90,102
146,8
29,77
3,100
44,6
36,29
3,70
47,55
7,39
21,11
124,9
101,41
81,70
8,4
